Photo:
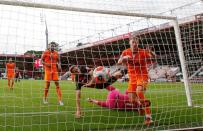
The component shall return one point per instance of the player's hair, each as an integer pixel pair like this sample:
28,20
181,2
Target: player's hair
10,59
134,35
71,68
52,43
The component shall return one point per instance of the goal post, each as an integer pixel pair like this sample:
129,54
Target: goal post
57,7
182,61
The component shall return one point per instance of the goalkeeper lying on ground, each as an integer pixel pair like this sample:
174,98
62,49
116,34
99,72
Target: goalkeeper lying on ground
119,101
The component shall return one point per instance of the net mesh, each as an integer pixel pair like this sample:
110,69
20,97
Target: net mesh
93,39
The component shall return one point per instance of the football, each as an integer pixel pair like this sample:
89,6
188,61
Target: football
101,74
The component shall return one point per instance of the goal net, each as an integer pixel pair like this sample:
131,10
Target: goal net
92,34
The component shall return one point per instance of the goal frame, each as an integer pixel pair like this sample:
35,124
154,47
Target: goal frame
120,13
76,9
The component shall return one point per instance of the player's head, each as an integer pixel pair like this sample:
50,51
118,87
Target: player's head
134,41
74,69
10,60
52,46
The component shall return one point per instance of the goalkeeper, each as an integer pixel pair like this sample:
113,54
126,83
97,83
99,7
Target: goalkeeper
119,101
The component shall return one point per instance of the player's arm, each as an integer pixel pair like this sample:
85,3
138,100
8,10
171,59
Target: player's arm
150,53
7,70
20,75
123,60
90,71
59,63
78,97
97,102
6,67
119,73
126,59
91,83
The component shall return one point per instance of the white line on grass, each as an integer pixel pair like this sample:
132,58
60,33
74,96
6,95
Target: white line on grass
92,110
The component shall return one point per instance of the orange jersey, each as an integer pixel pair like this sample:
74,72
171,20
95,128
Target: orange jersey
137,67
10,68
52,59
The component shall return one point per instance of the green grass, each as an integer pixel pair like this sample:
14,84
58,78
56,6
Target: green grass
22,108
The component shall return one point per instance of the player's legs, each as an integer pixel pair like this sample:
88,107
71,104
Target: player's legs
16,79
47,78
135,101
140,93
78,110
9,79
132,93
58,90
46,90
111,99
140,90
12,80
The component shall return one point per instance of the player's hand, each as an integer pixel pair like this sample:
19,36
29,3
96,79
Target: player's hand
125,59
129,60
88,85
150,49
117,74
59,67
89,100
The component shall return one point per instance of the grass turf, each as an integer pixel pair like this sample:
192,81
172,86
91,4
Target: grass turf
22,108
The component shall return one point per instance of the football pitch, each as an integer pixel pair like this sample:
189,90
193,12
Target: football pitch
22,108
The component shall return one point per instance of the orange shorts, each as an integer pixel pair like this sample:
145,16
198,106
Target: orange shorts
10,76
132,86
51,76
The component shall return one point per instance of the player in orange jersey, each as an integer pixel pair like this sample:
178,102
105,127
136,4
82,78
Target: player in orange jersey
136,60
51,62
10,70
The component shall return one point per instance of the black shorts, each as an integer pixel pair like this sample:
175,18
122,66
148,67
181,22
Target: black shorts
78,85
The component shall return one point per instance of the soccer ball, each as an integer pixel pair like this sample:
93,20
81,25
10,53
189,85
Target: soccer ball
101,74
